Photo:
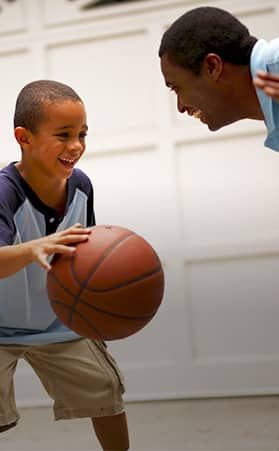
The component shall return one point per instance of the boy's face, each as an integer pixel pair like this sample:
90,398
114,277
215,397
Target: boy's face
59,142
199,95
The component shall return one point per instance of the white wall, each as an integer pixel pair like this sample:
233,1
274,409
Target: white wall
207,202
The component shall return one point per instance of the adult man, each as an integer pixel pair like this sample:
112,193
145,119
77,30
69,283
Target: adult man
220,72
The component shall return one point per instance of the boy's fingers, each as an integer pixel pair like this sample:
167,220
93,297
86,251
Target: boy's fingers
62,249
74,239
45,265
80,226
76,230
43,262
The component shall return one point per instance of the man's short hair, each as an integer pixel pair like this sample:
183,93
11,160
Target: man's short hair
206,30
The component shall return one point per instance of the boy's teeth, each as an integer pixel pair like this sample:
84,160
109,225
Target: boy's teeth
67,161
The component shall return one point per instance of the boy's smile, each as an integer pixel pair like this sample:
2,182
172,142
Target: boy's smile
61,139
54,149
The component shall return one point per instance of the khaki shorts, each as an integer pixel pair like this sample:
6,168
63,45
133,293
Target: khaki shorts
80,376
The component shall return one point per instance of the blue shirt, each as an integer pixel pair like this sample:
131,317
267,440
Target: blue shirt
265,56
26,316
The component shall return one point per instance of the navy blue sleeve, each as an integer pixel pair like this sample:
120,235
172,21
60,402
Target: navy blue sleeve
90,209
83,182
9,203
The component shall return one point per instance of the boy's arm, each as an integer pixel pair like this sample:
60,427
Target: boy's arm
268,83
15,257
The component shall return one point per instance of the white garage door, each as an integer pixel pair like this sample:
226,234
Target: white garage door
207,202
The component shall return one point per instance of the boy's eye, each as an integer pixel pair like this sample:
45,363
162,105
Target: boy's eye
62,135
67,135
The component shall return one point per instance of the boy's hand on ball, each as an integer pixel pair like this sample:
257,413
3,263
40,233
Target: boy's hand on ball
57,243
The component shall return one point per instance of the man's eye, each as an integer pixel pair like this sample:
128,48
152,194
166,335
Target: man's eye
83,135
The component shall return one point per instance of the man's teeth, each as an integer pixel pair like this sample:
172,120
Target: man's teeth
197,114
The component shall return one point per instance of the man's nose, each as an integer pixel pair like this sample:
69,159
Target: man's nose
180,106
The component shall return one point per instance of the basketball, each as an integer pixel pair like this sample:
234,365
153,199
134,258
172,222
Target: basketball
110,288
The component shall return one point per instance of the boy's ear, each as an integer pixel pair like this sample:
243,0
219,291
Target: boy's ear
22,135
212,66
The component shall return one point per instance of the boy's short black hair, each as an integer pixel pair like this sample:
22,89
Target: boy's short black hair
206,30
35,96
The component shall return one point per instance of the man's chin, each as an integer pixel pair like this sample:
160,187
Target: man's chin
216,127
213,128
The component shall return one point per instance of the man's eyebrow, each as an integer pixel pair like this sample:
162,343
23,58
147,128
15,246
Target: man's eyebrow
169,84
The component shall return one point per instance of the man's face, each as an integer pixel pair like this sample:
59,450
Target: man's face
202,95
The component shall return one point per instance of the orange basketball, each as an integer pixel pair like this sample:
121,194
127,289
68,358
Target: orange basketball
110,288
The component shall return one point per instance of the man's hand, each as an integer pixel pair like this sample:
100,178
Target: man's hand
268,83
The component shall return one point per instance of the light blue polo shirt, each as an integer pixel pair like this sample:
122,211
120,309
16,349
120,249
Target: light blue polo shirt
26,316
265,56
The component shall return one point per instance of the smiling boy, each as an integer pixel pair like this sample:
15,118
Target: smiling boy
46,205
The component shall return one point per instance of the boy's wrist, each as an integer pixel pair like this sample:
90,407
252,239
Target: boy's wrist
27,252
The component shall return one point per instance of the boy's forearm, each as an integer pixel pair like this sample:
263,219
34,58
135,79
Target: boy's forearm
14,258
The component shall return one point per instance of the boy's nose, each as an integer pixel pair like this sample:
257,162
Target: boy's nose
76,145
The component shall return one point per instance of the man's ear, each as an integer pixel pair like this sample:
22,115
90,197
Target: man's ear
212,66
22,135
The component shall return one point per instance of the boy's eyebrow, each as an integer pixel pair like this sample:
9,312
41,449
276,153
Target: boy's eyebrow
84,126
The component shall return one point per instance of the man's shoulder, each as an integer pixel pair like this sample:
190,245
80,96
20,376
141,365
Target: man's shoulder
265,56
272,56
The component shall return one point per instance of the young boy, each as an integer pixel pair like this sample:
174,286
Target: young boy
45,206
220,73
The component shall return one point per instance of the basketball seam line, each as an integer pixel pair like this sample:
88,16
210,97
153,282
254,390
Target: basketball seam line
84,284
125,283
82,301
100,261
108,313
106,290
87,321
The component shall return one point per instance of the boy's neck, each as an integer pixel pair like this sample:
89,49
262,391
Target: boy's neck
52,193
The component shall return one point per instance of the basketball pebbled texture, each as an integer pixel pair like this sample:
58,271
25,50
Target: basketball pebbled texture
110,288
